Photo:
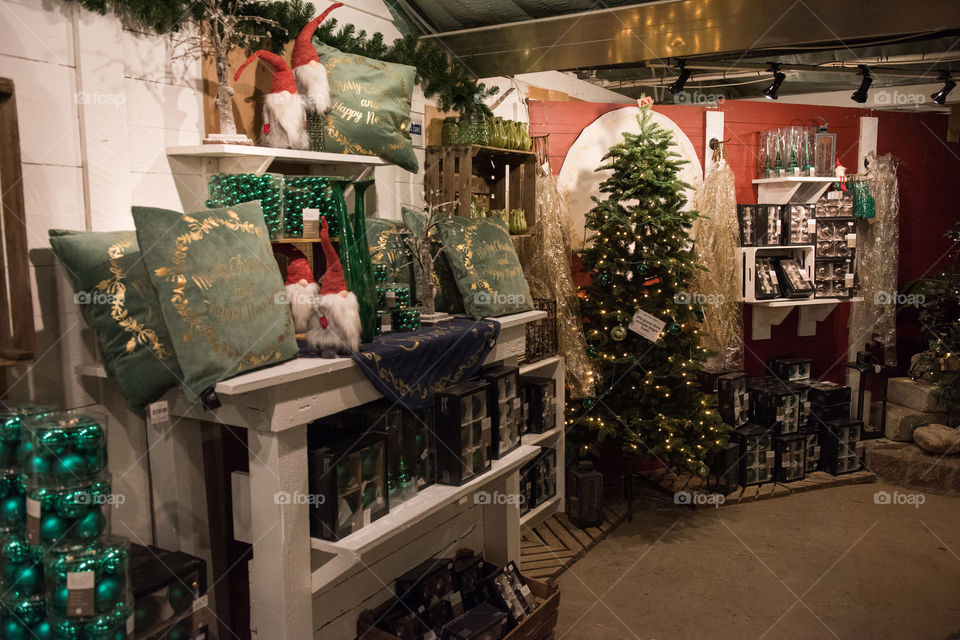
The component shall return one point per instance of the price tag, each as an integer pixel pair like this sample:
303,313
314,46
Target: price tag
778,226
80,587
391,299
833,195
770,455
645,101
773,276
525,591
159,412
456,603
647,325
848,280
851,241
33,521
811,225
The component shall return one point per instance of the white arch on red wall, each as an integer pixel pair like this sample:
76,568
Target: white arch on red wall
578,179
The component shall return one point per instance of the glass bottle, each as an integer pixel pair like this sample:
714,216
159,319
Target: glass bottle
449,133
356,271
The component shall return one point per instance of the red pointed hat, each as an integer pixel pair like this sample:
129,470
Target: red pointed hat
298,268
283,79
333,281
303,51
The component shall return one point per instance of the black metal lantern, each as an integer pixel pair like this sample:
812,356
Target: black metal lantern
585,495
723,467
756,454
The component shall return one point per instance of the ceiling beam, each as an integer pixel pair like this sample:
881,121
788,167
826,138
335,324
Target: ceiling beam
659,31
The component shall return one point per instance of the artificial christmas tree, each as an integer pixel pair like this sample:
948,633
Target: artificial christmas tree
639,320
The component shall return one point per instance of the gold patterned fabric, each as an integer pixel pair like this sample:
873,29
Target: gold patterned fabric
220,291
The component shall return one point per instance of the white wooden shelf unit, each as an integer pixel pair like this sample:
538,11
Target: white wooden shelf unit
791,189
302,587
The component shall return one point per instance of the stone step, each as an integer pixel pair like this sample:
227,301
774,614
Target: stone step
901,420
909,466
913,394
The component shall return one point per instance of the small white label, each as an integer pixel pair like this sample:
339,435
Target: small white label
770,455
778,226
525,591
811,225
848,280
311,215
79,580
455,599
773,276
33,508
159,412
851,241
647,325
833,195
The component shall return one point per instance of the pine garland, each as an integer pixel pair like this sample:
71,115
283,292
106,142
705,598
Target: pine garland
437,74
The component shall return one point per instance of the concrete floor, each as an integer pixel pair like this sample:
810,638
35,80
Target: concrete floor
819,564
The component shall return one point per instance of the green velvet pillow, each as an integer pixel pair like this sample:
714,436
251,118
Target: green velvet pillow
486,266
113,289
370,106
447,298
219,289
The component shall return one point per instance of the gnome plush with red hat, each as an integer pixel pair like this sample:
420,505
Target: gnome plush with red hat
284,118
334,326
310,74
301,288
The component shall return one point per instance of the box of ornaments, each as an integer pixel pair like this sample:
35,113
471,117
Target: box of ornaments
464,598
169,594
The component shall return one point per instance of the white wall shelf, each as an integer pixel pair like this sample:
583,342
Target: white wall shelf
791,189
769,313
541,512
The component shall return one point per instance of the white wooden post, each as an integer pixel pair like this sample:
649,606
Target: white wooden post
280,584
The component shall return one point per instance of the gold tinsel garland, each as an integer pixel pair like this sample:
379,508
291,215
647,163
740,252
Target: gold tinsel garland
716,238
546,260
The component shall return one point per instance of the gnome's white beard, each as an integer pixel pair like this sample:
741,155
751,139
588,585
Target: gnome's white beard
303,299
313,85
285,121
342,333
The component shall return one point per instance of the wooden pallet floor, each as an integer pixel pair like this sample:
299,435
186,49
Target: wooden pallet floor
549,548
669,482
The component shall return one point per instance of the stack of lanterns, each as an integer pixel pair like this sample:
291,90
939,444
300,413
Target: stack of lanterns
67,491
22,611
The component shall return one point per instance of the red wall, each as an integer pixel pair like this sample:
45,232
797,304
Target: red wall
928,198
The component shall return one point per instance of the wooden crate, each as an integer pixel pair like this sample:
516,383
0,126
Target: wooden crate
539,625
499,178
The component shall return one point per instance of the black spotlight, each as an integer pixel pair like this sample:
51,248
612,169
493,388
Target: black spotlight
860,95
941,96
677,85
778,78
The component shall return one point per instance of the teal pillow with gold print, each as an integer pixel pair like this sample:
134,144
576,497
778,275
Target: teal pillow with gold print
370,106
115,294
486,266
219,289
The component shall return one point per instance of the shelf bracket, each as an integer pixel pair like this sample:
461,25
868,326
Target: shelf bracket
810,316
766,317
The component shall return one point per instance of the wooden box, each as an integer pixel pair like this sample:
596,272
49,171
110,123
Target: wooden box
539,625
499,178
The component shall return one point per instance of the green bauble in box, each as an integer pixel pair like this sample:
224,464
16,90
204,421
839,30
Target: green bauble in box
405,319
104,564
380,273
11,432
73,515
21,567
67,447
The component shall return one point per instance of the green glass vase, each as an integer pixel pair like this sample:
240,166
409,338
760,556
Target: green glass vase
357,271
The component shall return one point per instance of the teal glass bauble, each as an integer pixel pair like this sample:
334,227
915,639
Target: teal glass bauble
42,631
24,451
59,601
13,630
70,464
91,525
89,437
107,592
53,441
74,504
13,510
28,578
114,561
52,528
38,465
